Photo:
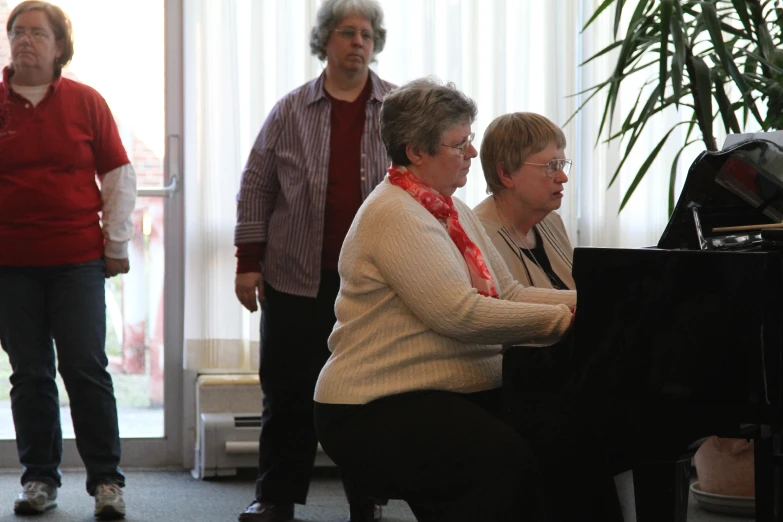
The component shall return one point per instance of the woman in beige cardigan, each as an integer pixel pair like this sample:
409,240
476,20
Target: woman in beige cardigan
524,162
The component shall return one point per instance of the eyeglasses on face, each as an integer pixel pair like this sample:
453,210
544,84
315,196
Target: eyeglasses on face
36,35
462,147
349,34
553,166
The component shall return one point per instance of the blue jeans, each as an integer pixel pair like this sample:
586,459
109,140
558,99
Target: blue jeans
65,304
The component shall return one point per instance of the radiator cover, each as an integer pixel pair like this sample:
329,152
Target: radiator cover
229,441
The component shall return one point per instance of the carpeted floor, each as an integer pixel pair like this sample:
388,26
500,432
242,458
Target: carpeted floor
173,496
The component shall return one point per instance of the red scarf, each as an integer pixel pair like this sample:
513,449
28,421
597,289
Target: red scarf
442,207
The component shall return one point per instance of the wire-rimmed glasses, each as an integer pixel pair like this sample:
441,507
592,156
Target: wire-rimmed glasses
553,166
349,34
36,35
461,147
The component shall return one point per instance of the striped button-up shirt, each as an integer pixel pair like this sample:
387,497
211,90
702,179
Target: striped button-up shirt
282,195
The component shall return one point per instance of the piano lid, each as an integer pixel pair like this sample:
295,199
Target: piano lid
742,185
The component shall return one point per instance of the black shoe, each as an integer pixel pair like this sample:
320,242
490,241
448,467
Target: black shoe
265,511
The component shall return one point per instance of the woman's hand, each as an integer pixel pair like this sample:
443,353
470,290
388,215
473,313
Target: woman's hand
249,288
115,267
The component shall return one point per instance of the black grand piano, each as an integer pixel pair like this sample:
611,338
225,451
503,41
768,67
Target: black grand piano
688,336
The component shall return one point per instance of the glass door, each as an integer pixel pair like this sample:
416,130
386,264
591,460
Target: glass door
130,52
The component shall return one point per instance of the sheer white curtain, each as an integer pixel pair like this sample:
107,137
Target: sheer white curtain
241,57
508,55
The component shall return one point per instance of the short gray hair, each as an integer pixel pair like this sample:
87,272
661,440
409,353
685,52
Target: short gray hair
332,12
419,114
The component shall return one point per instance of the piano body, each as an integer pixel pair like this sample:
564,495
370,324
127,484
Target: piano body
694,327
690,334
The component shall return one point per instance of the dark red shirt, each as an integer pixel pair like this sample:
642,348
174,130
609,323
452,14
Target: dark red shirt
343,190
49,157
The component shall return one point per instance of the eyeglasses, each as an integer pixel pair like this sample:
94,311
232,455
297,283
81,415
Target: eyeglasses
349,34
461,147
553,166
36,35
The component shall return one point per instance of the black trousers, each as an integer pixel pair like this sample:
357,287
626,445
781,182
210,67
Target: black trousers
450,456
294,334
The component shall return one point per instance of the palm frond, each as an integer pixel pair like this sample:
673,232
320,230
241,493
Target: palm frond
718,58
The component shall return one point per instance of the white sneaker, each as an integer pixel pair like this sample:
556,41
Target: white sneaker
36,497
109,504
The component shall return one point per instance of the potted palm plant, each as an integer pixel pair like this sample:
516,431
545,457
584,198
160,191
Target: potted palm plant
719,59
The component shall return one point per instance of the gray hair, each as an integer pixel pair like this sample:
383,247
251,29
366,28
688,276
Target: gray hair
332,12
419,114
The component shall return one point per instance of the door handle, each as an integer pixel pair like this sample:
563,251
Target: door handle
173,161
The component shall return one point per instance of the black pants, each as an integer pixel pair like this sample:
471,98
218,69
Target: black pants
450,456
294,332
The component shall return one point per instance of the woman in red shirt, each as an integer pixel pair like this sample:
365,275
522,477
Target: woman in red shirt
61,234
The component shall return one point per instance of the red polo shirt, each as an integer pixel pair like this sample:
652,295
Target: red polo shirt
49,157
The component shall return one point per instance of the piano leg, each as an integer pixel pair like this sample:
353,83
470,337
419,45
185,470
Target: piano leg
777,477
768,463
661,490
